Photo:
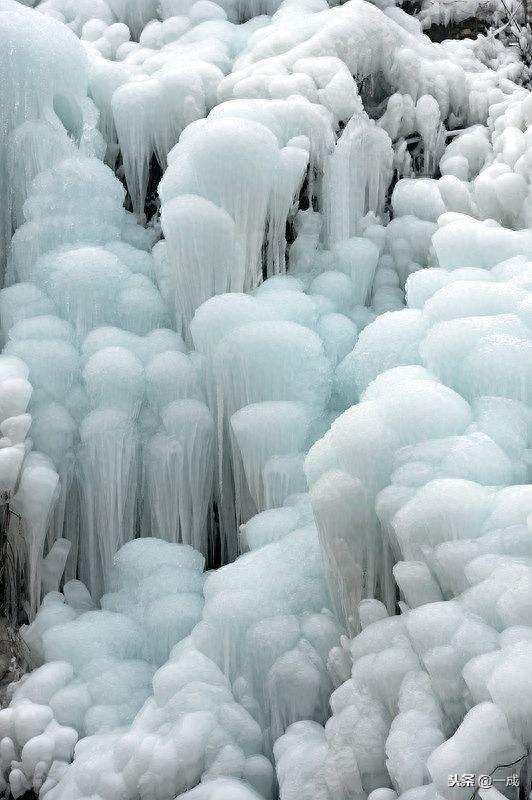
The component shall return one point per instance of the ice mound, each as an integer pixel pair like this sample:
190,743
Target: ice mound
434,490
290,49
265,626
234,674
99,663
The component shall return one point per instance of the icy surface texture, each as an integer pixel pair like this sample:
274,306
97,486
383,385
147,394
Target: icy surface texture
237,378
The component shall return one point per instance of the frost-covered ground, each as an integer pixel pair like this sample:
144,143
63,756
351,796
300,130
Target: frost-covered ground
265,400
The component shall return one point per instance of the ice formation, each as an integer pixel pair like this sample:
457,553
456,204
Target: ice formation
265,313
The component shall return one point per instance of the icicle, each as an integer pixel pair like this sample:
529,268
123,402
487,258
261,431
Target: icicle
108,481
358,177
179,474
349,546
234,163
263,430
35,498
202,265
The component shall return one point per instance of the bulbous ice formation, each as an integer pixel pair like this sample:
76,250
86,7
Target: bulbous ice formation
256,193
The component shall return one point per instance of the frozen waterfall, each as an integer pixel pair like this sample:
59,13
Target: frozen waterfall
265,400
